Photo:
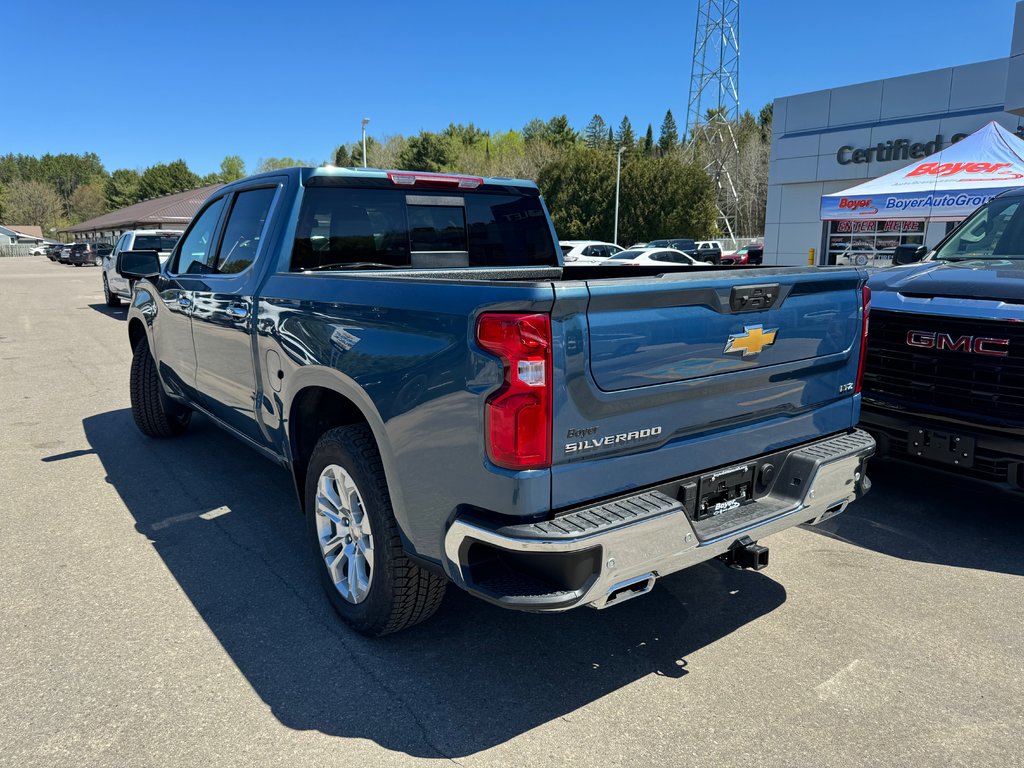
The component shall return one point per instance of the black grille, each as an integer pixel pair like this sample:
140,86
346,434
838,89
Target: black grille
971,386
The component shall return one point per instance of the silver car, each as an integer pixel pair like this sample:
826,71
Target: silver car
162,241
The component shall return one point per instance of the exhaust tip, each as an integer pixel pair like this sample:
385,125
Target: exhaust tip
628,589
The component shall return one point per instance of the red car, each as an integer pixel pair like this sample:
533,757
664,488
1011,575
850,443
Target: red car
748,254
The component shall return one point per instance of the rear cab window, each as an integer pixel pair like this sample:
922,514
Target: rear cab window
350,227
155,242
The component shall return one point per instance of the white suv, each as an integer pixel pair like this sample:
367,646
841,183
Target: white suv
162,241
587,251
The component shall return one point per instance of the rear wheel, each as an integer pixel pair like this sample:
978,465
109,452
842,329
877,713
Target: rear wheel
98,261
370,581
155,414
112,299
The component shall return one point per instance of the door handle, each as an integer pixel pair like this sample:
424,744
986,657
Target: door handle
184,301
237,311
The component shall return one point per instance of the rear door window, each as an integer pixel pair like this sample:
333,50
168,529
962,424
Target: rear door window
344,226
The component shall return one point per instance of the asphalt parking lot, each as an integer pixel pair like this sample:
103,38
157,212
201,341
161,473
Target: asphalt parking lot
159,608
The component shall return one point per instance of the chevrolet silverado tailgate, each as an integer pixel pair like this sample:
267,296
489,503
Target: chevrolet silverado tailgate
688,371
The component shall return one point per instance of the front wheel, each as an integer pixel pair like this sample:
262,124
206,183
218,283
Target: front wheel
155,414
98,261
370,581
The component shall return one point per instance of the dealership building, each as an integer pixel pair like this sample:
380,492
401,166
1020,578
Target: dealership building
829,141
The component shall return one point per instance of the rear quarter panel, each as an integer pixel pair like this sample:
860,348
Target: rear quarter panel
402,350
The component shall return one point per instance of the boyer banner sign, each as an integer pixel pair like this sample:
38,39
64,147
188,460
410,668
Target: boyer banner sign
946,185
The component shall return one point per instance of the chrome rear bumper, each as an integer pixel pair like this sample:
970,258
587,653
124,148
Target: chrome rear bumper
605,553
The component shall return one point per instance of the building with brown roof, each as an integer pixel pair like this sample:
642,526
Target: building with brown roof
168,212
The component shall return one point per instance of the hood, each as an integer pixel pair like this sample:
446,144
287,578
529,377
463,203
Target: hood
1000,280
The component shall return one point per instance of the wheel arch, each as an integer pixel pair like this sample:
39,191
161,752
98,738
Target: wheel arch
322,399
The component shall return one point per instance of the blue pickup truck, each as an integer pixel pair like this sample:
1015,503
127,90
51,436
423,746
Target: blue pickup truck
944,379
452,407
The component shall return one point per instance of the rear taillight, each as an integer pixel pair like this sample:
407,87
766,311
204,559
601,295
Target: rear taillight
518,429
866,299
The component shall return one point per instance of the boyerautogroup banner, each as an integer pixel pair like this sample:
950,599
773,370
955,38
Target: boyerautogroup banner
949,184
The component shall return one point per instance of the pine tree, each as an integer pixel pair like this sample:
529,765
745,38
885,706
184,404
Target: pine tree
649,141
611,137
593,134
669,138
624,137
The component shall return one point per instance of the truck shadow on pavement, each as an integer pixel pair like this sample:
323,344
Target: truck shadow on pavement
917,513
226,525
118,313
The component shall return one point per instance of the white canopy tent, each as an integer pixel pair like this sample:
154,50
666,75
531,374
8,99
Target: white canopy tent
945,186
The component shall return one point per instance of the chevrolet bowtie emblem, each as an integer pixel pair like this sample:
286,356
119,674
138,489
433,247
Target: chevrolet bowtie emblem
753,339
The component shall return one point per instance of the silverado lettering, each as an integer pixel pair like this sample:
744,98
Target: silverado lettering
622,437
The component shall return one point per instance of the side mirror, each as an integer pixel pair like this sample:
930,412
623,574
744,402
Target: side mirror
909,254
136,265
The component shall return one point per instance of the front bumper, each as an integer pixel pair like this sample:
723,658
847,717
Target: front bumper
604,553
998,455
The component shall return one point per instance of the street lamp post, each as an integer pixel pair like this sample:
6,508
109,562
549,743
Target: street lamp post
618,173
365,121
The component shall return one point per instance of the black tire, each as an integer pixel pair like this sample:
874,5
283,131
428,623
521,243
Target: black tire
155,414
112,299
401,593
98,261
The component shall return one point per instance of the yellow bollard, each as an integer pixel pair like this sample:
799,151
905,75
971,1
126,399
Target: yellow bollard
810,257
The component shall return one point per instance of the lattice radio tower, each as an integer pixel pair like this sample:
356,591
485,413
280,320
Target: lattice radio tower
714,105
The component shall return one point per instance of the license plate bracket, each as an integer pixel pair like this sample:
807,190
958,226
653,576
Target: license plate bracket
725,490
943,447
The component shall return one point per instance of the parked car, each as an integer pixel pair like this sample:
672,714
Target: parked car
53,251
684,244
645,257
944,373
38,250
580,252
80,254
753,253
709,251
162,241
499,432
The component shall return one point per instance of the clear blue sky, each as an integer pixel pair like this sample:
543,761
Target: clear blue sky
140,83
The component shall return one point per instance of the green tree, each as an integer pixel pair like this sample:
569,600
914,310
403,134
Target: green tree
559,132
121,189
624,136
232,168
279,163
33,203
167,178
648,146
88,201
427,151
579,188
668,138
593,134
66,172
764,121
662,197
535,130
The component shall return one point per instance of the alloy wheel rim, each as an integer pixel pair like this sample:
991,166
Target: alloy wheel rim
343,534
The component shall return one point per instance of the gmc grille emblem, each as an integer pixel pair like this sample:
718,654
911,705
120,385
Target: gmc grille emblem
972,345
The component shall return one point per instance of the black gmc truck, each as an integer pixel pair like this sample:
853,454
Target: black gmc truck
944,376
